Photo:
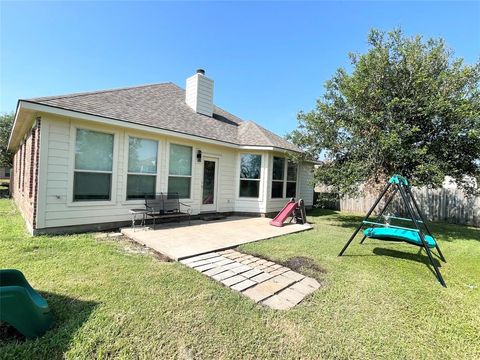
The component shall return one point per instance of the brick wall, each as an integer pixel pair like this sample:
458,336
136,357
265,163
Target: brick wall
25,180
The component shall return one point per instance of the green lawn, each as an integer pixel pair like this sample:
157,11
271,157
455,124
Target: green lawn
113,299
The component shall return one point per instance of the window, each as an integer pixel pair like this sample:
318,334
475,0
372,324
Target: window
250,175
180,170
291,179
279,168
142,168
92,179
278,177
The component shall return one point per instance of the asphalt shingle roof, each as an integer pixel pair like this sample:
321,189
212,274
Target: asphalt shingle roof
163,106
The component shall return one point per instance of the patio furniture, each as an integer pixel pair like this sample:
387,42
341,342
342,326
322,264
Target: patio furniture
166,205
136,212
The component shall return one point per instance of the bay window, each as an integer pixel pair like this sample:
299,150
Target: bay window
180,170
142,168
291,179
250,167
283,186
278,177
92,179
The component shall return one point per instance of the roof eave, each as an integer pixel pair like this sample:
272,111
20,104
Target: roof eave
44,108
21,124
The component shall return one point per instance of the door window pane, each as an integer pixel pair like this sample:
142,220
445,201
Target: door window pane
208,182
93,150
249,188
140,186
142,155
180,160
91,186
250,166
180,185
278,168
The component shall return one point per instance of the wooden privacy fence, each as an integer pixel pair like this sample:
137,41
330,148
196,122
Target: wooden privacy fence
449,205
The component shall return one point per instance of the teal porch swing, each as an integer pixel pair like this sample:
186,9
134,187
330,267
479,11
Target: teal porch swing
419,234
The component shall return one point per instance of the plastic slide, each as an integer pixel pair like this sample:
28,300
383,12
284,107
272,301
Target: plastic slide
21,306
283,215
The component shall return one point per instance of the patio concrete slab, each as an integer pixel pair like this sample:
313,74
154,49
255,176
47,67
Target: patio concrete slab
181,240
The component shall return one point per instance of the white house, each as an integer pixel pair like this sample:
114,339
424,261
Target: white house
83,160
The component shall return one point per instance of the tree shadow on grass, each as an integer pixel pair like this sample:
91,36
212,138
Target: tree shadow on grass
419,257
321,212
69,315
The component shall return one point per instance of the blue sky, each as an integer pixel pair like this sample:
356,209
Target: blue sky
269,60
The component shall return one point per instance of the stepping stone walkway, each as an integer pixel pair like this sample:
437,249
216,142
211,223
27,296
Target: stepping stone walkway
263,281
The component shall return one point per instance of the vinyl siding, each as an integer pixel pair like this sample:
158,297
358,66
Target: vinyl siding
59,210
306,183
56,208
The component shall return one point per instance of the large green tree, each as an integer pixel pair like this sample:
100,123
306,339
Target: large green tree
6,123
408,106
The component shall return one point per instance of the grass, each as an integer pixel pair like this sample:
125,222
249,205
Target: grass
112,299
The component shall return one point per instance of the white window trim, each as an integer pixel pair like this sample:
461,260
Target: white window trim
285,181
239,179
126,147
72,170
192,169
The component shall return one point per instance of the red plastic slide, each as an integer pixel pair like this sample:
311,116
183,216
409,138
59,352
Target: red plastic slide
287,211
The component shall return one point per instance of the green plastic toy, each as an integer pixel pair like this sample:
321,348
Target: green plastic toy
21,306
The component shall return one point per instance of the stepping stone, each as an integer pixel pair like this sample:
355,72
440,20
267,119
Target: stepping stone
262,267
206,267
215,271
267,288
224,262
223,275
245,284
270,263
232,265
241,258
279,271
199,257
306,286
258,263
311,282
223,252
241,269
252,273
248,261
206,261
234,255
293,275
233,280
268,269
291,295
262,277
278,303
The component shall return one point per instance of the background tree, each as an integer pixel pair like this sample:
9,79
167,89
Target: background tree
407,107
6,123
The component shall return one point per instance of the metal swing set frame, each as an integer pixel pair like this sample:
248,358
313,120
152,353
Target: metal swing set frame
401,186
